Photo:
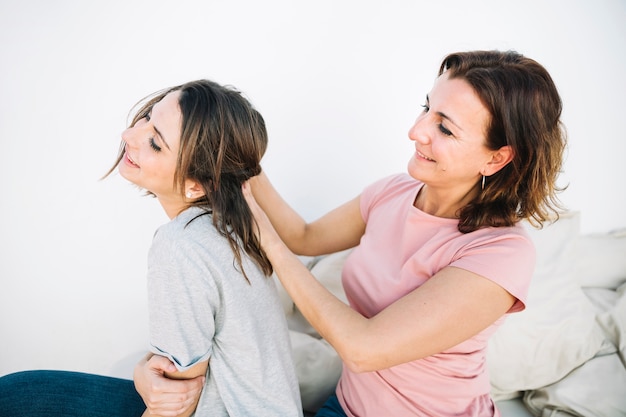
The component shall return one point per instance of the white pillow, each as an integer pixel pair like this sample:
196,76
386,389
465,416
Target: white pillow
602,260
327,270
613,323
557,331
318,368
597,388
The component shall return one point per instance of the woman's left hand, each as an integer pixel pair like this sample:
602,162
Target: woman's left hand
164,396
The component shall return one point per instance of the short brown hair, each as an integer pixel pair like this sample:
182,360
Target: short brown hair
525,109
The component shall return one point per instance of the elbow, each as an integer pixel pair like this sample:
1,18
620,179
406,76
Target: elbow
357,367
359,361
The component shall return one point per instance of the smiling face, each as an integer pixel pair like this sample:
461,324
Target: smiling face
151,150
449,136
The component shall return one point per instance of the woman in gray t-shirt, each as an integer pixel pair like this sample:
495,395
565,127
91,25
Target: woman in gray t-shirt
214,310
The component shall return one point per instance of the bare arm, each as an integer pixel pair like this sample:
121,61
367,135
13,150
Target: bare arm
340,229
452,306
164,390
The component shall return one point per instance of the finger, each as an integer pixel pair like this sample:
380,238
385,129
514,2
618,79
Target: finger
161,363
169,409
170,403
255,209
166,386
177,396
247,193
176,390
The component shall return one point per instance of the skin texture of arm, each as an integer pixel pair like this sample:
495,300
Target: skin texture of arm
340,229
449,308
165,391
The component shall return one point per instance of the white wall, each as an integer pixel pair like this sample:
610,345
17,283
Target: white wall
339,83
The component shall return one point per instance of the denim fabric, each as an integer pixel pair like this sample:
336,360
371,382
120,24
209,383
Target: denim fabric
331,408
67,394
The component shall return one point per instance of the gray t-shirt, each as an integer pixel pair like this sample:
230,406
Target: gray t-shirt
201,307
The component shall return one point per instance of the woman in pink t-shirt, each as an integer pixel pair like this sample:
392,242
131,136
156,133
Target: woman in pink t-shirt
439,254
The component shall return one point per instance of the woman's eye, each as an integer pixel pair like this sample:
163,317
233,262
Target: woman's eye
426,108
147,116
154,146
443,130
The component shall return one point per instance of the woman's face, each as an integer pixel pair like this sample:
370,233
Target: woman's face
152,149
449,136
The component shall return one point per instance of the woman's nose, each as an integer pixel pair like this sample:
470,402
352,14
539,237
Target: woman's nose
418,133
129,135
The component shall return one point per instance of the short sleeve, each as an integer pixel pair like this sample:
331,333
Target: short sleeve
505,256
385,190
181,300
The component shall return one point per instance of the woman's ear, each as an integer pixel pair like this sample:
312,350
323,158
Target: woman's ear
193,189
499,159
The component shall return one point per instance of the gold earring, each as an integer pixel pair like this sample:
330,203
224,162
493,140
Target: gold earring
482,187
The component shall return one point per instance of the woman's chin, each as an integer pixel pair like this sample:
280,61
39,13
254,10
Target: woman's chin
413,169
124,172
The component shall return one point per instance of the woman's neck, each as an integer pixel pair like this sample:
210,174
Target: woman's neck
172,207
442,203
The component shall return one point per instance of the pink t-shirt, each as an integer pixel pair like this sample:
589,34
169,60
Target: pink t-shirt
402,248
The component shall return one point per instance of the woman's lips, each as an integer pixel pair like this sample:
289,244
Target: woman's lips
422,156
129,160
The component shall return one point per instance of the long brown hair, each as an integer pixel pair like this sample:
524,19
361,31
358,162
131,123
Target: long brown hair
525,109
223,139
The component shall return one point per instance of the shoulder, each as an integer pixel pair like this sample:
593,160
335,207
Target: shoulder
505,255
188,235
188,225
514,240
390,186
516,235
394,181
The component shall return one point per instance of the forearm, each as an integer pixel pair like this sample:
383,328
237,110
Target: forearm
337,230
289,225
345,329
393,336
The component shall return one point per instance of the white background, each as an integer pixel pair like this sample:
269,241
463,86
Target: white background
339,83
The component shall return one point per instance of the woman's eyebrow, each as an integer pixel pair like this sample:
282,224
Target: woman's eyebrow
444,116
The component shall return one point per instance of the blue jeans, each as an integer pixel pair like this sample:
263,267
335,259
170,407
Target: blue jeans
331,408
67,394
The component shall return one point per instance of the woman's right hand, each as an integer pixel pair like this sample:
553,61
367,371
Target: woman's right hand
164,396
